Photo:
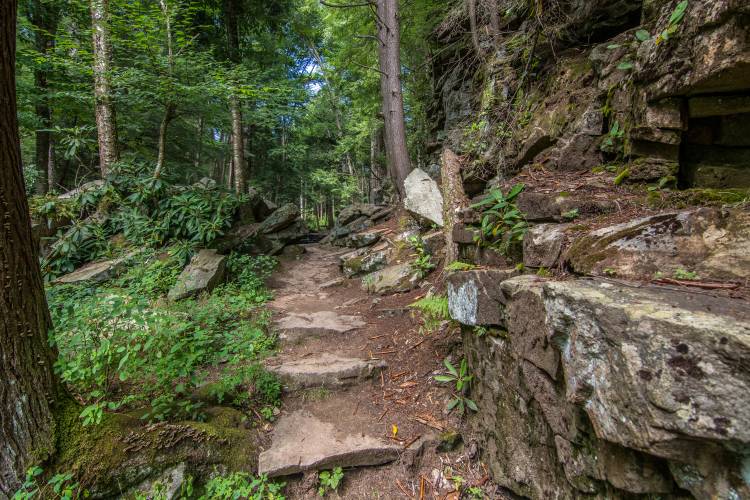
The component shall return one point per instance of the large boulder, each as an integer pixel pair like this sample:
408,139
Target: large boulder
543,244
392,279
474,297
423,197
594,388
712,242
356,211
281,218
255,209
205,271
365,261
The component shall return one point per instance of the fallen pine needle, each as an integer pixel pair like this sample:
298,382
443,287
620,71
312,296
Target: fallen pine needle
414,440
383,414
401,487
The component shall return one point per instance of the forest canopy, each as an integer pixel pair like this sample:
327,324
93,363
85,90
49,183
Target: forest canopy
300,79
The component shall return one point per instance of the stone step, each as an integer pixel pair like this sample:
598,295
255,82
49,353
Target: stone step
296,327
326,370
301,442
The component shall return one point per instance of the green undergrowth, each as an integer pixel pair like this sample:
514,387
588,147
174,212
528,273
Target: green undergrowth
123,347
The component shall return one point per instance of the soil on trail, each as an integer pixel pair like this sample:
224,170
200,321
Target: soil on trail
403,396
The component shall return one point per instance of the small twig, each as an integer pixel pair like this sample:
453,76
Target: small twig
383,414
411,442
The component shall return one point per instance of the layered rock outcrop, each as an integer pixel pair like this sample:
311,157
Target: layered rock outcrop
594,388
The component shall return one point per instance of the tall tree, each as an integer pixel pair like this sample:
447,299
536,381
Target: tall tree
170,107
106,123
28,385
43,16
231,23
389,58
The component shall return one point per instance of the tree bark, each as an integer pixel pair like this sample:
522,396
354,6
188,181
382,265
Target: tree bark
389,56
170,107
231,16
28,385
454,200
106,124
238,146
168,116
471,7
44,19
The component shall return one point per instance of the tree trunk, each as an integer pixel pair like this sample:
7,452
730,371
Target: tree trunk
106,124
169,108
454,200
52,177
494,20
238,146
471,7
389,56
231,16
28,385
44,19
377,170
168,116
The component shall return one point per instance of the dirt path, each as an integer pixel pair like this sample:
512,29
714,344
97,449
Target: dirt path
355,366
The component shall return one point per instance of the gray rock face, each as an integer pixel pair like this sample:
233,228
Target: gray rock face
301,442
550,207
423,197
714,243
326,370
95,272
88,186
281,218
605,389
392,279
365,261
361,240
543,244
168,483
295,327
475,298
353,212
205,271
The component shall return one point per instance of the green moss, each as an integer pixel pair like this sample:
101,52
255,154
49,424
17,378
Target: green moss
354,264
697,197
123,450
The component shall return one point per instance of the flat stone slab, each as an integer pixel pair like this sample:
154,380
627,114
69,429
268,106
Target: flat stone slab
295,327
302,443
326,370
95,272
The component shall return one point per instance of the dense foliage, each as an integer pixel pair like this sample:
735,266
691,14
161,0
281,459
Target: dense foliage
120,347
304,75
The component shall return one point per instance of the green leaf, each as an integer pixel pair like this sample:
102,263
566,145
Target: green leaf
444,378
625,65
642,35
451,369
471,404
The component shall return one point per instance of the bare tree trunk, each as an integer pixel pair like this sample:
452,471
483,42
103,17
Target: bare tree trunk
454,200
44,19
199,146
106,124
169,108
51,165
238,146
494,19
377,170
389,56
168,116
29,388
471,7
231,15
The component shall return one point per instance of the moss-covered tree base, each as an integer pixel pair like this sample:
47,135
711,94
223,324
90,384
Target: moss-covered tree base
123,451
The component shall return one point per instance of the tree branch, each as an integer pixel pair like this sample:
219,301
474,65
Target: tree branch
345,5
